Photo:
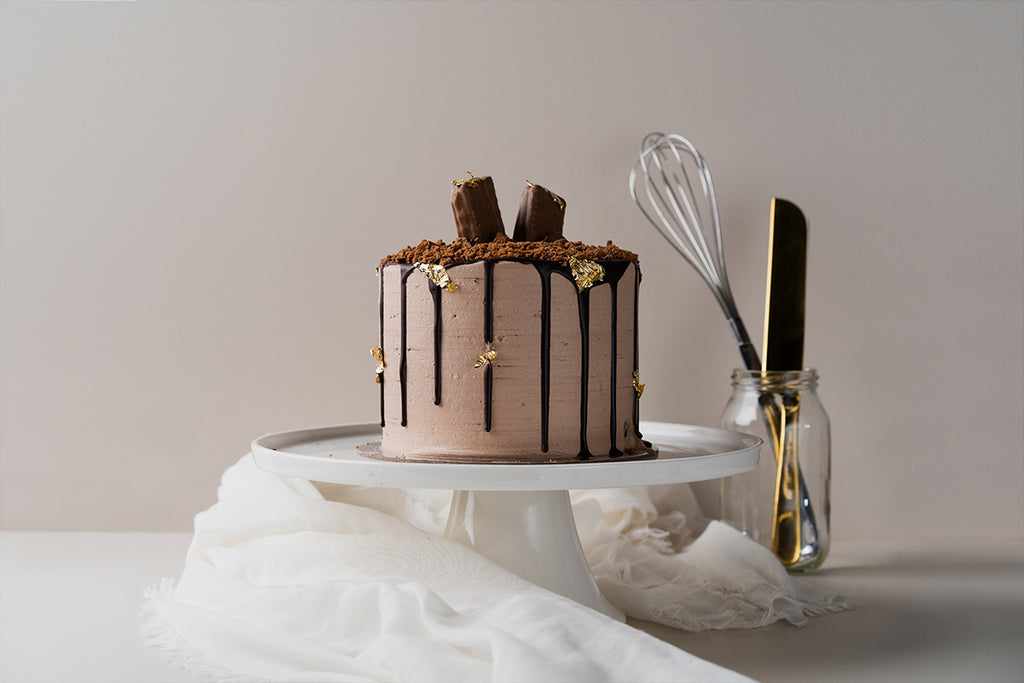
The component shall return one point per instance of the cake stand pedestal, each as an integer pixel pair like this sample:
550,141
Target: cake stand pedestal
518,516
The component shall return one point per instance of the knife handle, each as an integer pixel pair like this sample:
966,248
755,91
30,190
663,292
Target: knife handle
799,528
787,524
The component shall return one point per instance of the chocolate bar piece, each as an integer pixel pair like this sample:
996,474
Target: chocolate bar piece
541,215
475,205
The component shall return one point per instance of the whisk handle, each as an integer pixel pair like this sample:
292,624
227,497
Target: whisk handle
747,350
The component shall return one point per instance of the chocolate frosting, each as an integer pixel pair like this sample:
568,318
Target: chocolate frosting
559,384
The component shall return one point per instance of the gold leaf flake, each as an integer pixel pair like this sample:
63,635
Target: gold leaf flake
378,354
485,358
586,273
437,274
637,387
471,181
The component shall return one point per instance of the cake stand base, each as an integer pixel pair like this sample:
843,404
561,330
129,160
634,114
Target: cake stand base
532,534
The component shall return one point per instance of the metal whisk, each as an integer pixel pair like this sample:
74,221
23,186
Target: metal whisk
686,215
661,184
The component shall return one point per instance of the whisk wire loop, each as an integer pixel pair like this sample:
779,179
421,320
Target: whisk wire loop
708,190
666,205
693,224
681,214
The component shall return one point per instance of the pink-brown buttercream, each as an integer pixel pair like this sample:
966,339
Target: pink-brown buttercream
455,428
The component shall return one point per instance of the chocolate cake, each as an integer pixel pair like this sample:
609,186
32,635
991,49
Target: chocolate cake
509,350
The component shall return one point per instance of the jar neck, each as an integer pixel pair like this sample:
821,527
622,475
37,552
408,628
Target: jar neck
776,380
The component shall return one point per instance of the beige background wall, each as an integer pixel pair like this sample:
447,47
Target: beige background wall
194,197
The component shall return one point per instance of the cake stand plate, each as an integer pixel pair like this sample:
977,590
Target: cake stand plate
517,515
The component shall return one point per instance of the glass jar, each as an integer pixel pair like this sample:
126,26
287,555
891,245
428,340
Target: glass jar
783,504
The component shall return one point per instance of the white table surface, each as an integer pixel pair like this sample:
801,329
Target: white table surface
69,605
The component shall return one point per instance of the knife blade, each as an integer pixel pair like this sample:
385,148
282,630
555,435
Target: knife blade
786,288
794,528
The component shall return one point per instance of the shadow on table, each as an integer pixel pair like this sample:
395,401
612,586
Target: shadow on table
870,633
937,566
945,619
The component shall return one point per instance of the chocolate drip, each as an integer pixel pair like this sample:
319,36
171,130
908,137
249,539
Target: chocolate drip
380,377
613,432
488,390
488,301
402,365
614,270
636,352
583,302
488,338
545,350
545,269
435,293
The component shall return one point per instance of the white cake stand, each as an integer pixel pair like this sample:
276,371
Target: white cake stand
517,515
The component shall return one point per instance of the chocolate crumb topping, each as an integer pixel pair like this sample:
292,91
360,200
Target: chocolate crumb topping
462,250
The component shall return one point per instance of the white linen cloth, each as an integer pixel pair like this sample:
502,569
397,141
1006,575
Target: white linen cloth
286,580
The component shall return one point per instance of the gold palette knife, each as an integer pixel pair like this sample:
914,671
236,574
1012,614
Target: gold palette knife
794,532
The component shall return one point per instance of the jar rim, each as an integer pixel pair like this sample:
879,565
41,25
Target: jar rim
805,373
808,377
